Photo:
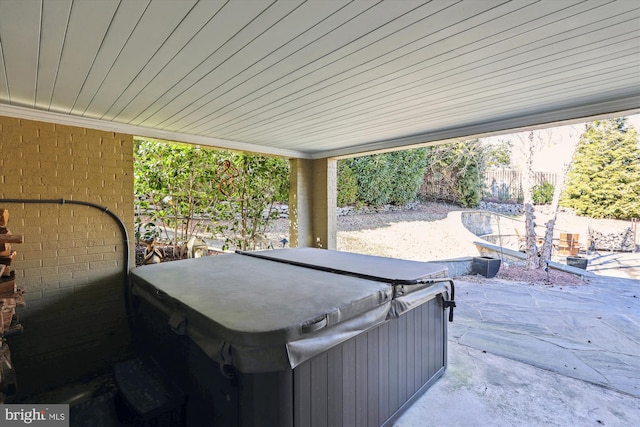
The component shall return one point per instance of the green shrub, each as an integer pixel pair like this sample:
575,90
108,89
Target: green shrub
382,178
604,180
543,193
182,190
347,184
457,170
406,171
374,185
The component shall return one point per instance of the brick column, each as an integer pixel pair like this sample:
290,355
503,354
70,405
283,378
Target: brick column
312,203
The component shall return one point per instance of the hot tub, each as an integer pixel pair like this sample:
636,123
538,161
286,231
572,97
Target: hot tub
295,337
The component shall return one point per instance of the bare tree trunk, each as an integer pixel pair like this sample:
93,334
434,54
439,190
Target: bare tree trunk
547,247
533,260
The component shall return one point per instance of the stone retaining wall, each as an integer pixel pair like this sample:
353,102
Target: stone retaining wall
623,241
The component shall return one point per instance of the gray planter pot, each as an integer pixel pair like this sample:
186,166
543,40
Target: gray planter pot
485,266
577,261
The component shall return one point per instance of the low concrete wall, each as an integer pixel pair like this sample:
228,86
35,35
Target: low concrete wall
510,255
458,266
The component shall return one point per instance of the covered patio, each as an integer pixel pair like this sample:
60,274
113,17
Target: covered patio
309,81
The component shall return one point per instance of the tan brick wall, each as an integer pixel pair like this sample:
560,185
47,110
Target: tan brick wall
72,260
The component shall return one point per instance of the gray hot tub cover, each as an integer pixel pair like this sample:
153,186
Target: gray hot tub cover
426,279
259,315
396,272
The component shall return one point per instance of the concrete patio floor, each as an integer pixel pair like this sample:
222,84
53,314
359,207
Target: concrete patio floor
519,355
534,355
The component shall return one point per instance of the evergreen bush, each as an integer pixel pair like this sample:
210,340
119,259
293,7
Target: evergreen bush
604,180
374,186
543,193
387,178
406,170
347,184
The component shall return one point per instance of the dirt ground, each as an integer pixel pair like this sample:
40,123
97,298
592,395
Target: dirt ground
426,232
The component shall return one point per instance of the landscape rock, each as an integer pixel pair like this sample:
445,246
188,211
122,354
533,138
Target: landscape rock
621,241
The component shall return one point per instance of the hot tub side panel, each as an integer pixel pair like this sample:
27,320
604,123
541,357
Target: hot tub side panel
214,398
366,381
370,379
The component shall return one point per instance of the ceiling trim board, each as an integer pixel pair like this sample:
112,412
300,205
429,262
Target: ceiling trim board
583,113
83,122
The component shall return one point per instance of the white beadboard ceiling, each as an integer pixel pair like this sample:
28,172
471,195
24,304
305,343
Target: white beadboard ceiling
317,78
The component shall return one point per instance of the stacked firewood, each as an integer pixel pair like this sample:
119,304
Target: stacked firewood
10,297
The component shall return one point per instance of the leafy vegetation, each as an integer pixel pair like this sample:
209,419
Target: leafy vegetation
604,180
457,170
378,179
185,190
543,193
258,183
373,175
406,175
497,154
347,184
175,189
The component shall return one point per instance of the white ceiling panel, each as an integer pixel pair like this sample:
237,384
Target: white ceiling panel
270,57
177,55
210,48
339,64
113,28
20,38
236,54
4,86
52,35
318,78
145,39
83,37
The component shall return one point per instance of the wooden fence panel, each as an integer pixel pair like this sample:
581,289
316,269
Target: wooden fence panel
506,184
502,184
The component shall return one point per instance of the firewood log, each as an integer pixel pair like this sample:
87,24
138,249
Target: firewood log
4,217
7,260
7,237
5,249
